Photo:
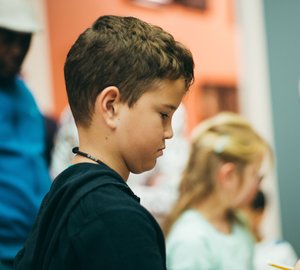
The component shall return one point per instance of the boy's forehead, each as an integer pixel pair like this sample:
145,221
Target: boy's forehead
168,93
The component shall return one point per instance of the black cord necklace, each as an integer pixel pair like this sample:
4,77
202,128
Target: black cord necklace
76,151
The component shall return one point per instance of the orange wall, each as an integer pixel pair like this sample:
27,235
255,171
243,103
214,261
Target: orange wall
210,36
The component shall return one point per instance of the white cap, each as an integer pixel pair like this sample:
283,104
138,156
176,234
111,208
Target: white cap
18,15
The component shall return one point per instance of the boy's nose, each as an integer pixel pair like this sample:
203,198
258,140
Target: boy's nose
168,132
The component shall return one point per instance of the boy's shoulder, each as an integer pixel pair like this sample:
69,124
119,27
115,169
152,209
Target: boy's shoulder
102,190
87,182
89,206
96,190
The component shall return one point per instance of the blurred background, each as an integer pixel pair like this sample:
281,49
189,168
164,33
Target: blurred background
247,56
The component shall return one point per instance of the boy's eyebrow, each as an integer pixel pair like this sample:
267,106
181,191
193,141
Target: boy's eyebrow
172,107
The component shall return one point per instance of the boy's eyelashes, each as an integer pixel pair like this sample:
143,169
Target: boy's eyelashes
164,115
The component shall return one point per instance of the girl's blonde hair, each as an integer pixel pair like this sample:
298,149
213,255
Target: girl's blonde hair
227,137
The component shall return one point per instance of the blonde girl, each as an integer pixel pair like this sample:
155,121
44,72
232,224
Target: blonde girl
204,230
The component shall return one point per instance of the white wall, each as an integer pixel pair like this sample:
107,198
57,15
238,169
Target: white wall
36,68
255,98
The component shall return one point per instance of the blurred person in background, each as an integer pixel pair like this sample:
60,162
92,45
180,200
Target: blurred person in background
267,250
24,177
204,229
65,139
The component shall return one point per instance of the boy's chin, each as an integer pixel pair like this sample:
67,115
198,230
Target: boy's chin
144,168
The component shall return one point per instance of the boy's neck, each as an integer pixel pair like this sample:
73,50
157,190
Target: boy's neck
110,162
101,147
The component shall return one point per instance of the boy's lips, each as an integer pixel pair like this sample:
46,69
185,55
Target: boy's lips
160,151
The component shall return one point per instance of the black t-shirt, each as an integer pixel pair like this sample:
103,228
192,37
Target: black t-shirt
90,220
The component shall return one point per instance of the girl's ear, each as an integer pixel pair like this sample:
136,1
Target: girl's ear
228,176
107,105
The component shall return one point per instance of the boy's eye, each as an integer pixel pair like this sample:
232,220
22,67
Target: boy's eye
164,116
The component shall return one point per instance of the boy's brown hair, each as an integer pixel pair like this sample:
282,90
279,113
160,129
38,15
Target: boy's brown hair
124,52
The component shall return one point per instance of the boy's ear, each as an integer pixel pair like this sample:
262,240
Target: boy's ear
107,104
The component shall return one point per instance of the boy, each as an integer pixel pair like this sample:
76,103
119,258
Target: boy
124,79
